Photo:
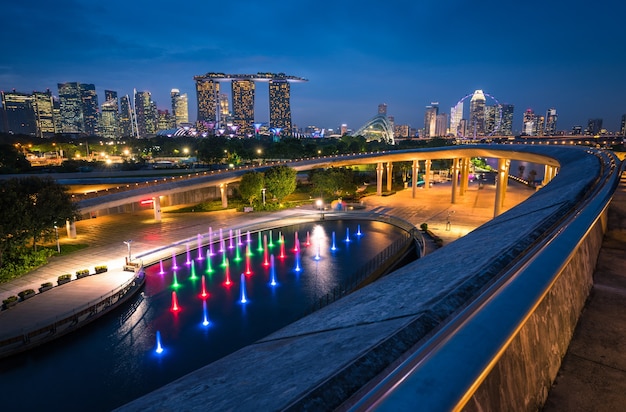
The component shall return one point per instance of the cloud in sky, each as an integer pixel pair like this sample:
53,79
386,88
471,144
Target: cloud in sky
356,54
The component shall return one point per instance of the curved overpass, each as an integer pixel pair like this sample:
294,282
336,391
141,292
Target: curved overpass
221,179
480,324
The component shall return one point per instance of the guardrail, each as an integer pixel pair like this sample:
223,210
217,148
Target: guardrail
430,375
378,265
60,325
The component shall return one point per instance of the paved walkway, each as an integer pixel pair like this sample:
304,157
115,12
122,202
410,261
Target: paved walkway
593,373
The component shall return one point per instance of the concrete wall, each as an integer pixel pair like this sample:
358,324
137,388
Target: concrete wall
522,377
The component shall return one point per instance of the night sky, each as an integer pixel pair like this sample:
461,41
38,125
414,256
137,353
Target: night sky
356,54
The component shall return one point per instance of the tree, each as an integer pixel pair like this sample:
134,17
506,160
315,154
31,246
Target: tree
333,181
12,219
251,185
12,160
280,181
44,203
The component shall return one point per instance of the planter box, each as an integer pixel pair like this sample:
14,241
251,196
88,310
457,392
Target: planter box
9,304
28,295
44,288
81,275
63,281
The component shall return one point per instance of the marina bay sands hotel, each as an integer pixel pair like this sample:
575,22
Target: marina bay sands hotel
210,110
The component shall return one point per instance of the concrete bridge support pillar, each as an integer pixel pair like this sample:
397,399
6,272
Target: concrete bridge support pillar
414,177
465,166
501,184
389,175
427,164
156,202
379,179
70,227
455,178
548,174
224,194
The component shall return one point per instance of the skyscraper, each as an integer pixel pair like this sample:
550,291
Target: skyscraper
43,106
622,127
71,108
441,124
207,92
550,127
18,113
430,119
90,109
492,119
280,107
180,108
224,108
528,122
456,114
539,125
506,125
126,118
146,112
243,106
594,127
109,120
477,114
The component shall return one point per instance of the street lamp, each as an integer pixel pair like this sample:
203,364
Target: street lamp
127,243
56,231
263,192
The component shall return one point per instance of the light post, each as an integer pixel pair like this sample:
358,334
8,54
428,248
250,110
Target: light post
263,192
127,243
56,231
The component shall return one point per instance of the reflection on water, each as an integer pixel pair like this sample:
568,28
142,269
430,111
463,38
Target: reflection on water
195,308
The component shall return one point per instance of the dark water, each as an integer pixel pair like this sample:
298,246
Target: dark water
114,360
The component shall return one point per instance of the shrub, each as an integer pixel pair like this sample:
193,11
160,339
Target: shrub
10,299
82,272
66,276
101,268
46,284
424,226
25,293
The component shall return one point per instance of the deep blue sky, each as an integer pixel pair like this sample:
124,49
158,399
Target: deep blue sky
356,54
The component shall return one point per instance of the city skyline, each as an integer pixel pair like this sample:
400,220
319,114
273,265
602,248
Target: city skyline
416,54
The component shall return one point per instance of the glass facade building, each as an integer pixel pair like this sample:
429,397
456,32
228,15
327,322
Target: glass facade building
243,106
280,107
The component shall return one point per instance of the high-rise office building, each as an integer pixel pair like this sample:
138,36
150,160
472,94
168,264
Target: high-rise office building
146,114
90,108
43,105
622,127
56,114
382,109
280,107
109,120
441,124
207,92
506,124
539,125
528,123
594,127
430,119
477,114
180,108
71,108
243,106
456,114
550,125
126,122
111,95
165,120
492,119
18,114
